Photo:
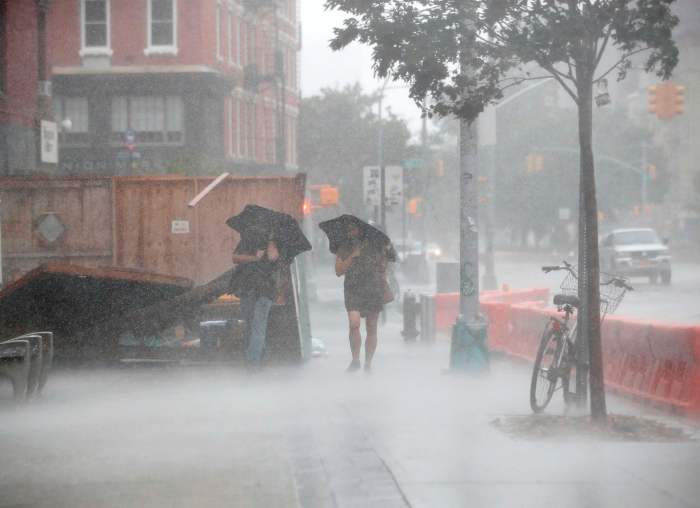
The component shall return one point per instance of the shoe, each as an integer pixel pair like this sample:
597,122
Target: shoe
354,366
368,368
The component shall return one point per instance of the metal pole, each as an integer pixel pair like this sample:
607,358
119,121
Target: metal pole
644,179
380,163
43,97
281,96
426,176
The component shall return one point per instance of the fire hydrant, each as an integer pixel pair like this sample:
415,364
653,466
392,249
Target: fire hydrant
410,314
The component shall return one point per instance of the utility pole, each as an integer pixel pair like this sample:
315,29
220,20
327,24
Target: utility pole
468,349
280,68
380,159
43,85
645,178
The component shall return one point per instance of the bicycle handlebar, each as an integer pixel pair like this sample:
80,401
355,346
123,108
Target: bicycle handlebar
565,266
616,281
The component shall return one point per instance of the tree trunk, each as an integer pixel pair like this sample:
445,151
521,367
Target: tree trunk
589,269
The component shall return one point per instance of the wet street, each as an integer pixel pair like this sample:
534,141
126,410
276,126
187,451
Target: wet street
408,434
677,302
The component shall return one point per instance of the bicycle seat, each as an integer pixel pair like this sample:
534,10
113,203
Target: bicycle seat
561,300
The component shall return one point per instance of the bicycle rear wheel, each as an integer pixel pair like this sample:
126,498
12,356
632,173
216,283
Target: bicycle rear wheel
545,372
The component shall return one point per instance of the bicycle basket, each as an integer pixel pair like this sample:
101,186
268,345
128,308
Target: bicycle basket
610,294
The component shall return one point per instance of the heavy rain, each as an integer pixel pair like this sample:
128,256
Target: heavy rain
329,253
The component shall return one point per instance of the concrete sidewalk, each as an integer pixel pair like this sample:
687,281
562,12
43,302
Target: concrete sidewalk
409,434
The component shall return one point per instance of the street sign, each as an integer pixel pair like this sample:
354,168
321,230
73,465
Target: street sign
372,185
412,163
394,185
49,142
180,227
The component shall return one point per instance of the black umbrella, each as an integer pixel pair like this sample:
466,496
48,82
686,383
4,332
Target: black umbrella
262,224
338,235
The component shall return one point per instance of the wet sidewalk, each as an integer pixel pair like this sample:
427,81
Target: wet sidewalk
408,434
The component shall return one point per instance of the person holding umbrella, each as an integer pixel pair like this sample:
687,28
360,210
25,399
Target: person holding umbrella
269,241
362,253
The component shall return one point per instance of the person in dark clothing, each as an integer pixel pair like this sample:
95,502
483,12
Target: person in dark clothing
256,289
364,268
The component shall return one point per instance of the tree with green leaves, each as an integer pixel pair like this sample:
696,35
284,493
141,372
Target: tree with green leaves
338,130
464,54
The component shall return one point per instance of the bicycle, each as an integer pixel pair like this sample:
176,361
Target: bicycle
556,355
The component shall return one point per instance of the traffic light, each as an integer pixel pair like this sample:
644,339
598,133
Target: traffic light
535,162
666,100
415,207
651,171
329,196
440,167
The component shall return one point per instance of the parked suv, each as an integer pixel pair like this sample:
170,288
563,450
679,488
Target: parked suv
636,252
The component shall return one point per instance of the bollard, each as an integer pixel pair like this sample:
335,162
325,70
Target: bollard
427,318
410,313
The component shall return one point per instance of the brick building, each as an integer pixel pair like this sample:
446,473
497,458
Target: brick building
19,76
175,85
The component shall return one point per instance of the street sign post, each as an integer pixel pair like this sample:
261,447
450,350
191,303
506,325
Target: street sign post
393,192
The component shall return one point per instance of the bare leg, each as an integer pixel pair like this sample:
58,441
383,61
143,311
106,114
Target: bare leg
371,340
354,321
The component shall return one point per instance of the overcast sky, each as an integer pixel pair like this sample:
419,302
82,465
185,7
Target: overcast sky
322,67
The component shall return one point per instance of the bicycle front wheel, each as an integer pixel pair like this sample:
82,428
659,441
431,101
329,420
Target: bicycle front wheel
545,373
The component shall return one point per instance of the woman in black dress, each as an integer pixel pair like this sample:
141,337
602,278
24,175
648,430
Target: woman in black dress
364,268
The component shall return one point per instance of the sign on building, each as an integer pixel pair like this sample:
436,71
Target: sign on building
372,185
180,227
49,142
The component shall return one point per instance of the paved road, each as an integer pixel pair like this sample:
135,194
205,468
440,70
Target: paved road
407,435
679,302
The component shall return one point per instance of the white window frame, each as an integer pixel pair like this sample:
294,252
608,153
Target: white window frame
229,34
96,50
180,142
219,53
168,49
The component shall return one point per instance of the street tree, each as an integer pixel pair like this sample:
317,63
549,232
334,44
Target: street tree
463,54
338,136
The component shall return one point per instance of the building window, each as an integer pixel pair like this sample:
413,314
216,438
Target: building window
162,26
94,33
74,109
154,120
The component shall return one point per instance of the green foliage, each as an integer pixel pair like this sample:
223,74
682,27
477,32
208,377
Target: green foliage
465,53
338,136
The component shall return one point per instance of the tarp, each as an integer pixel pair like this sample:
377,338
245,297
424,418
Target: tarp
68,299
